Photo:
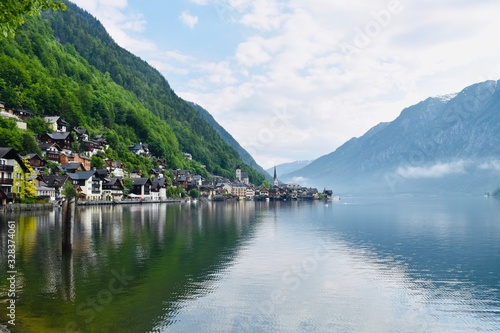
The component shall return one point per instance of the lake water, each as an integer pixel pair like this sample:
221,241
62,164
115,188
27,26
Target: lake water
358,265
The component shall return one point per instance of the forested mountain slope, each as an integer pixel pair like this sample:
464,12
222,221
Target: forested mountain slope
66,64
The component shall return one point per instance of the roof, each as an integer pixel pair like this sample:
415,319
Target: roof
81,175
59,135
159,182
112,181
9,153
72,166
44,146
140,181
31,155
80,131
136,146
52,119
53,181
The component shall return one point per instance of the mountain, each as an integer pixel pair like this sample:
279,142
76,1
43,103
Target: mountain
228,138
65,63
285,168
442,145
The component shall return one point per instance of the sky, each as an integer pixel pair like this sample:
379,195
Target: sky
295,79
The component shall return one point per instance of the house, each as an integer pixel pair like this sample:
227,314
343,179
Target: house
92,147
242,176
8,159
50,151
115,168
159,189
54,182
182,178
56,124
62,139
67,157
250,193
112,189
162,164
72,167
139,149
22,114
35,161
43,191
87,184
142,187
9,115
81,133
239,190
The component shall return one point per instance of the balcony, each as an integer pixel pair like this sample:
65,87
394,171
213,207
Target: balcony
5,167
6,181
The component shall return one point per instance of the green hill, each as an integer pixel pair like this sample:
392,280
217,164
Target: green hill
65,63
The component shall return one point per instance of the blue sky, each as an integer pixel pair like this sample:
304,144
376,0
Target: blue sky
295,79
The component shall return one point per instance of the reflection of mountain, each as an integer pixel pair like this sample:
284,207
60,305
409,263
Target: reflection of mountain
170,253
445,144
444,244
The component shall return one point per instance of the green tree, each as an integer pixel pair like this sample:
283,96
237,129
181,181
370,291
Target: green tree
13,12
97,162
128,186
38,125
265,184
23,184
69,190
194,193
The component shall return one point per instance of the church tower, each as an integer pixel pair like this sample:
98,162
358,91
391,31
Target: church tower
275,181
238,173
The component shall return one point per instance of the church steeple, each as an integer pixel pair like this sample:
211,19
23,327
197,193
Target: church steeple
275,181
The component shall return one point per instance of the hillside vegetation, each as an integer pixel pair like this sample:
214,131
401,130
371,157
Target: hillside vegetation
64,63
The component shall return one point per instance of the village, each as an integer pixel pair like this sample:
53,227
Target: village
58,165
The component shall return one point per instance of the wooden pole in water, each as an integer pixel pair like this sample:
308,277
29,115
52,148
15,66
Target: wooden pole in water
68,216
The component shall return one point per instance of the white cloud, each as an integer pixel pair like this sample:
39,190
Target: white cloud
439,170
188,20
120,23
289,55
493,165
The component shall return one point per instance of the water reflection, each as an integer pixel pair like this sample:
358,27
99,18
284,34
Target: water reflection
129,263
361,265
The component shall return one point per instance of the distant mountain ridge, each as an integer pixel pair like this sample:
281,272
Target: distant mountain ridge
446,144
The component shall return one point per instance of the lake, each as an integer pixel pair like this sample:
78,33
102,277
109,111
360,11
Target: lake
426,264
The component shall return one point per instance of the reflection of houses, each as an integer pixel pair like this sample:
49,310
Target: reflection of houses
8,158
56,124
142,187
62,139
